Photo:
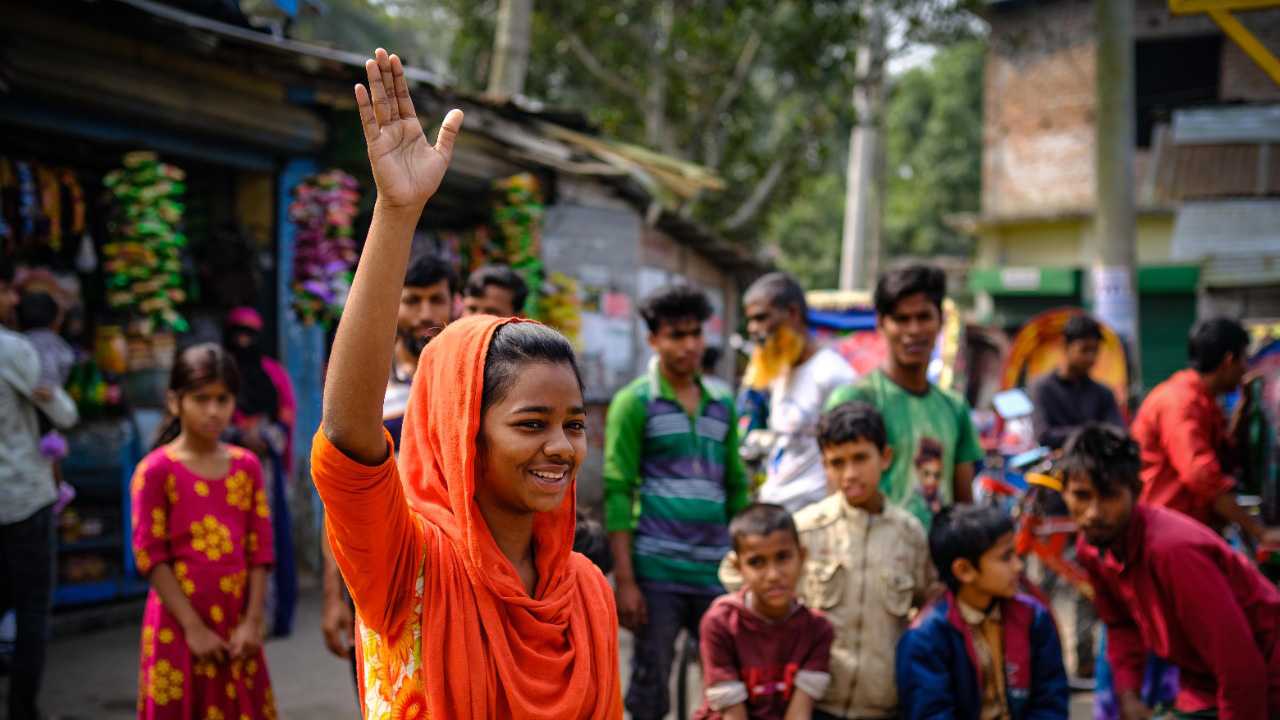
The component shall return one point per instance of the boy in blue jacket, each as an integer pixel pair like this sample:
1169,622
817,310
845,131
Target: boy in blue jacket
982,652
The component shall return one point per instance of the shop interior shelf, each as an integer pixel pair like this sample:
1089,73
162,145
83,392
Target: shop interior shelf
97,543
90,592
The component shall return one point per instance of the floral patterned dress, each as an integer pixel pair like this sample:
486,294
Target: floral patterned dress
212,531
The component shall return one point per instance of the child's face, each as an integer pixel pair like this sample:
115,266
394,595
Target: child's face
770,565
997,572
204,412
532,442
930,474
854,468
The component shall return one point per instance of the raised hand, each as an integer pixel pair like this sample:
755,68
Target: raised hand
406,168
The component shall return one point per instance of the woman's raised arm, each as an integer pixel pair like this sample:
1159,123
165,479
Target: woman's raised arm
407,170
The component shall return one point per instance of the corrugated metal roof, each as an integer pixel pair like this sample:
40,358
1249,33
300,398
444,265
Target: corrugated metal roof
1191,172
1227,124
1199,165
1238,241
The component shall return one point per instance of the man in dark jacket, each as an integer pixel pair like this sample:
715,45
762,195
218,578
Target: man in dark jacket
1068,397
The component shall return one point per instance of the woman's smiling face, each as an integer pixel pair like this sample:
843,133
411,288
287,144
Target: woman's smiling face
532,441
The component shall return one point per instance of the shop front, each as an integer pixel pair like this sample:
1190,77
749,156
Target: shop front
140,186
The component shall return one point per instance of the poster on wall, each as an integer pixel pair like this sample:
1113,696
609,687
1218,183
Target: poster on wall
608,347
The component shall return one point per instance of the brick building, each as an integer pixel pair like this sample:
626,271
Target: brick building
1207,170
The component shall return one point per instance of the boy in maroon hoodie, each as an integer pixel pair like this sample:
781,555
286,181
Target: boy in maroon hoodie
764,654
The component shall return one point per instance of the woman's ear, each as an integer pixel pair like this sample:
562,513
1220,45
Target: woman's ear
174,403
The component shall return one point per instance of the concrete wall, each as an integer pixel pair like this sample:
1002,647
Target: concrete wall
1068,243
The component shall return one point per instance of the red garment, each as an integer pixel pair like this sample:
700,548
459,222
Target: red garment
738,645
1181,592
1183,437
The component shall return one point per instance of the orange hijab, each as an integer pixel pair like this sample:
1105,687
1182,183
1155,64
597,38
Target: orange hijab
489,650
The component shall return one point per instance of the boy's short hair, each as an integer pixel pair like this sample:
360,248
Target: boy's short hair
908,280
762,519
1212,339
502,276
1081,327
779,290
965,531
1107,455
670,303
427,269
855,420
36,310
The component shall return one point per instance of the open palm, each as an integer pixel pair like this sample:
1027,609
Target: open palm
406,168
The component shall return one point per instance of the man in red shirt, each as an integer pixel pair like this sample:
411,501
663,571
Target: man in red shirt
1167,584
1187,449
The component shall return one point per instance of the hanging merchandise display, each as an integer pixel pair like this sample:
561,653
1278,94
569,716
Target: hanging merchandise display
49,208
324,253
143,255
517,213
561,307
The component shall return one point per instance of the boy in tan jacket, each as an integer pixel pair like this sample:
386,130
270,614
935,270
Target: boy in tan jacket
868,565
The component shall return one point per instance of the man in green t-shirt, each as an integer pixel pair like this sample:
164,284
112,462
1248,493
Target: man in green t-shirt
934,441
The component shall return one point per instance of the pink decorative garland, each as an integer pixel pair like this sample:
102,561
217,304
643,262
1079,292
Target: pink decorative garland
324,254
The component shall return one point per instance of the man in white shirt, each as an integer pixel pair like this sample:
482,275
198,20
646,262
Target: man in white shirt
799,375
27,494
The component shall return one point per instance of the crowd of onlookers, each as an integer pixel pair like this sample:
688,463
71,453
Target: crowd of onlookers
864,582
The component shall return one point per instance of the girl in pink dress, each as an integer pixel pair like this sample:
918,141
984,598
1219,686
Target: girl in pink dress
202,536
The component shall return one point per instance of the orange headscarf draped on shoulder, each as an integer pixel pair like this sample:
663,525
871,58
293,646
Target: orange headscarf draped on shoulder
489,650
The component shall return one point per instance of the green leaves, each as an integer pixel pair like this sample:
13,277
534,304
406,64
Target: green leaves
933,152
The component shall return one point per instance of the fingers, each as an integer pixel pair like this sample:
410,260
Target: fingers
378,93
333,641
400,87
388,82
448,134
368,120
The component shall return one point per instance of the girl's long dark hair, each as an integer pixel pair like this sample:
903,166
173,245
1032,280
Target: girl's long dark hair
196,367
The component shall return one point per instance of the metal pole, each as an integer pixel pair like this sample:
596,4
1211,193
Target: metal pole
511,48
860,175
1113,278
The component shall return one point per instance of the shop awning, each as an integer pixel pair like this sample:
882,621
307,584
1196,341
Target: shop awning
106,89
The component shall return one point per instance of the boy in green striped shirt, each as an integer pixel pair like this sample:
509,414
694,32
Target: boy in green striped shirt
672,481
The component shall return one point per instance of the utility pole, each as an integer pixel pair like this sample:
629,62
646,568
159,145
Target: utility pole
511,48
1113,277
859,246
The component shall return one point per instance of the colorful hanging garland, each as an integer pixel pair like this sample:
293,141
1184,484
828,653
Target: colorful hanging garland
517,213
144,253
561,306
324,250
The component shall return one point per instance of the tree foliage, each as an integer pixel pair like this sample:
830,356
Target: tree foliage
804,236
757,90
933,152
